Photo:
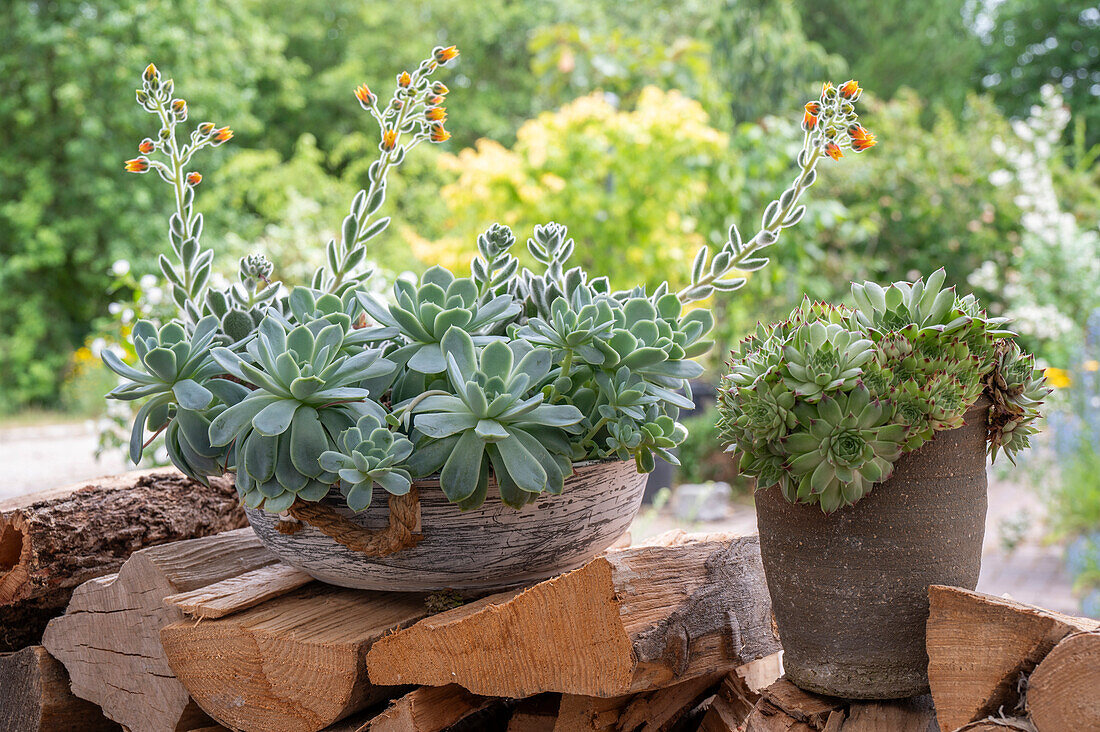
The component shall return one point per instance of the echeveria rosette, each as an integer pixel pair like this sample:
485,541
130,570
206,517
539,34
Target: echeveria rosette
822,359
173,368
368,454
422,314
305,397
847,444
497,420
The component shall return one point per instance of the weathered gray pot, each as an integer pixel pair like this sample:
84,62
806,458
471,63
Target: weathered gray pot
850,590
493,547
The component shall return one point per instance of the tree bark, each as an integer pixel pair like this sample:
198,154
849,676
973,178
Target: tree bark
980,646
35,697
1063,693
53,541
292,663
109,638
632,620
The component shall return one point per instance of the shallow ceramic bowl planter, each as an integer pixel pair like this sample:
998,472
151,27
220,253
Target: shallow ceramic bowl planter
850,589
491,547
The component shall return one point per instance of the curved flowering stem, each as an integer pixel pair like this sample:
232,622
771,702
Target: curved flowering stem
830,125
415,109
190,274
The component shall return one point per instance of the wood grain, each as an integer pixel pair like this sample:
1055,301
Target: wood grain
635,619
240,593
109,639
51,542
979,646
1064,690
292,663
428,709
485,549
35,697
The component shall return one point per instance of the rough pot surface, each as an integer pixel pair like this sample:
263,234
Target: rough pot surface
850,589
492,547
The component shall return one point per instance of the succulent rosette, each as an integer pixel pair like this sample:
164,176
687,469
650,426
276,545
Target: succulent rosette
822,404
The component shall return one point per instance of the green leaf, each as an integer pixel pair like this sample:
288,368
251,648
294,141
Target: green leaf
461,473
162,362
275,418
229,423
307,441
521,465
191,395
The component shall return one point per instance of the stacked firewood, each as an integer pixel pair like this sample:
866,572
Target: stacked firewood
201,628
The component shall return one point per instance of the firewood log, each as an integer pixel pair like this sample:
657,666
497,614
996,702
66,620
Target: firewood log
979,648
732,704
632,620
51,542
783,707
1063,692
429,709
292,663
653,711
240,593
35,697
109,638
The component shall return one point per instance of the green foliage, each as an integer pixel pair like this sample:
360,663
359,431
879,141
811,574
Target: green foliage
369,453
823,403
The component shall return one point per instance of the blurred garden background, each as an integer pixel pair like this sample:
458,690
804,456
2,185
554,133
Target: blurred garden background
647,127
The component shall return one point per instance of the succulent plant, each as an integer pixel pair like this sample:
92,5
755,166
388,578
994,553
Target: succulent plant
847,447
423,313
173,367
305,396
369,453
822,403
496,420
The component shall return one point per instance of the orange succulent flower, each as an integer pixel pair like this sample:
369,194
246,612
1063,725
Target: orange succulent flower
146,146
436,99
813,108
833,151
861,138
850,90
826,88
438,134
443,55
435,114
438,87
809,121
193,179
137,165
206,128
179,106
404,79
365,96
222,134
389,139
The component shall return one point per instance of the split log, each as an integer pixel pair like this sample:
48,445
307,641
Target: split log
293,663
654,711
240,593
51,542
109,639
732,704
35,697
429,709
783,707
632,620
980,646
1064,691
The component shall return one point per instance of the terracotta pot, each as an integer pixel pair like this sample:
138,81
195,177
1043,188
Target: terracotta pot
493,547
850,590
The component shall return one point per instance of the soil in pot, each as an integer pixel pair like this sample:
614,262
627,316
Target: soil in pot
850,589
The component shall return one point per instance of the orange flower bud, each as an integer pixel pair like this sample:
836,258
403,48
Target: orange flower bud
443,55
146,146
435,99
404,79
833,151
222,134
365,96
179,106
206,128
137,165
193,179
809,121
150,74
435,114
389,140
813,108
850,90
861,138
826,89
438,87
438,134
